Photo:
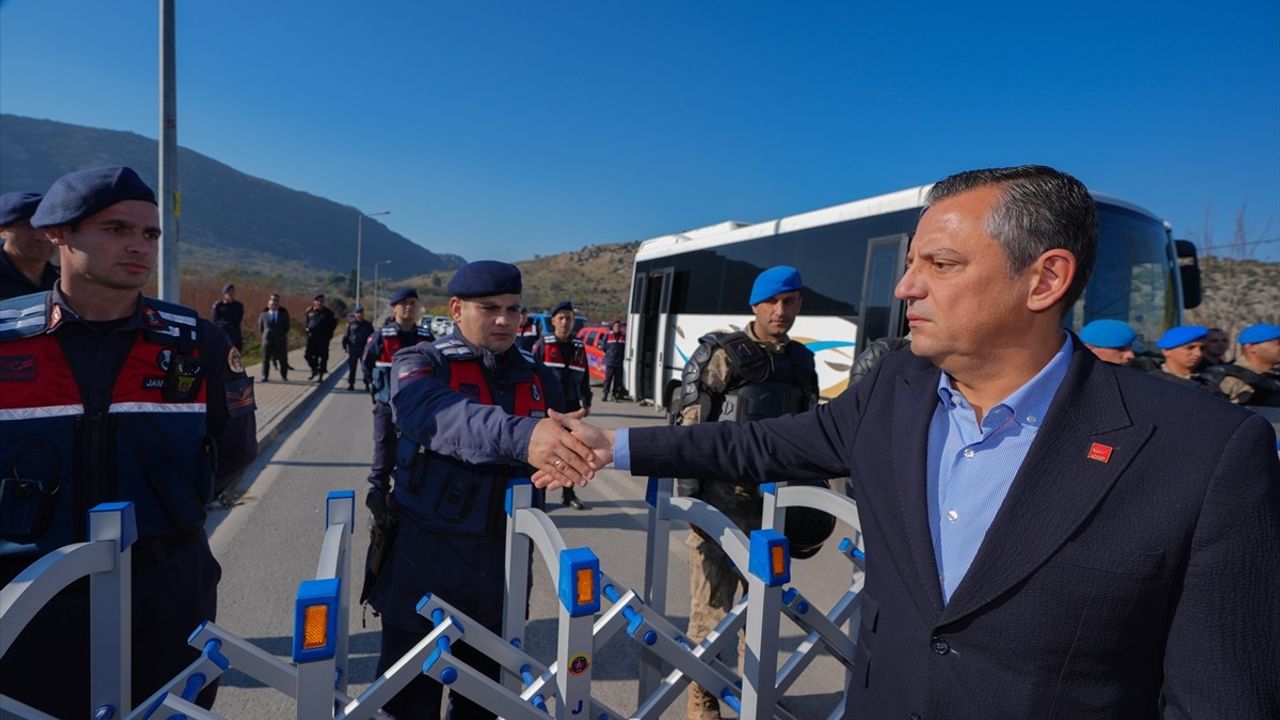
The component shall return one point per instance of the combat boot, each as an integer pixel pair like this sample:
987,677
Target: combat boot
702,704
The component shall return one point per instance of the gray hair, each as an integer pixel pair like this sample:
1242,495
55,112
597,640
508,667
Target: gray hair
1039,209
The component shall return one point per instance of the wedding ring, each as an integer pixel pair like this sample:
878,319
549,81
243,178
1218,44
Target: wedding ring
557,464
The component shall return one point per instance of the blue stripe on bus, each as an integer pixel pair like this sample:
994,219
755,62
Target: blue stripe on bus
820,345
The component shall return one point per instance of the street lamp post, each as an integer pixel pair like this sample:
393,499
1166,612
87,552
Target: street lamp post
377,297
359,245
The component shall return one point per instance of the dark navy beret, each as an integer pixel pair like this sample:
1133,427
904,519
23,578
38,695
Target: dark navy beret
1107,334
228,287
358,308
1260,333
75,196
483,278
1180,335
774,281
562,305
318,296
403,294
17,206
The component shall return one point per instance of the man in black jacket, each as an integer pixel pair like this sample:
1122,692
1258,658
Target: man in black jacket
353,341
320,326
228,314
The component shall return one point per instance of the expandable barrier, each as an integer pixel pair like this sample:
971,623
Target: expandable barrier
527,689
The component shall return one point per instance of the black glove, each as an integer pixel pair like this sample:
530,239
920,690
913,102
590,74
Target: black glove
382,506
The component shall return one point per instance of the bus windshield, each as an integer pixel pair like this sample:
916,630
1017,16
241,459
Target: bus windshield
1133,277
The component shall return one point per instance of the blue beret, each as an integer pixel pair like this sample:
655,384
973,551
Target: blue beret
17,206
228,287
318,296
562,305
75,196
1260,333
774,281
1107,334
403,294
1181,335
483,278
358,308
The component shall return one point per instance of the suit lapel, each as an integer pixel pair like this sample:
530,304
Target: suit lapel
914,404
1085,444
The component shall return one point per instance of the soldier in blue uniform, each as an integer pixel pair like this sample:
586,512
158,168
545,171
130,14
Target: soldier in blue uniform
228,314
108,396
25,251
566,357
457,405
400,331
354,340
615,344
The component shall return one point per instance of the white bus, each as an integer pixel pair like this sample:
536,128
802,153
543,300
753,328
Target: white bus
850,257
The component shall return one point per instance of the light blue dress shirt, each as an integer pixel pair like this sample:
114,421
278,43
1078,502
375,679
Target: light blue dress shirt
971,466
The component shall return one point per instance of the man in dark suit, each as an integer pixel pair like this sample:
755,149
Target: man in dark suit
273,325
1047,535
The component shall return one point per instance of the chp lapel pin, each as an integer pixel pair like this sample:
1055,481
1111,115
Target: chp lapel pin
1100,453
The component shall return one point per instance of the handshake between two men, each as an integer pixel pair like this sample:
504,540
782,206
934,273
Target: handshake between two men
567,451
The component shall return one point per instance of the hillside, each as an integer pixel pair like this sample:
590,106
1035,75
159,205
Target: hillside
228,218
596,278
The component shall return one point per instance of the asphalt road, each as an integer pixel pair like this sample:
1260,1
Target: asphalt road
270,541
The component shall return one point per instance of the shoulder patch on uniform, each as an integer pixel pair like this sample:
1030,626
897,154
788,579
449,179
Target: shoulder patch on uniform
526,355
234,362
239,393
24,316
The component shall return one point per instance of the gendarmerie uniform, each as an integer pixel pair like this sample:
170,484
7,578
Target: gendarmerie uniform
17,207
457,408
95,412
153,408
385,343
567,361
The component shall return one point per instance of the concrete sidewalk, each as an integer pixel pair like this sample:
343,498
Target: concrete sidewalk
280,401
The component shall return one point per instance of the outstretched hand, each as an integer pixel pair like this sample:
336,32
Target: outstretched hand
560,456
598,440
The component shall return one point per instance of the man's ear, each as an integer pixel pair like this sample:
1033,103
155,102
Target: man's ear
455,308
56,235
1052,275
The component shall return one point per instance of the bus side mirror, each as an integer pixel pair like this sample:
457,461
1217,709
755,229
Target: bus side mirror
1189,268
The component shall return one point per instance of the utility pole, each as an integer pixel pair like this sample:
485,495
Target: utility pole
168,195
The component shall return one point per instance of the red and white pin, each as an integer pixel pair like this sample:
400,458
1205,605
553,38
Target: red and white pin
1100,452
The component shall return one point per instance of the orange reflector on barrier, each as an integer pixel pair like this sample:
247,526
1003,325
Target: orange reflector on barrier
315,627
585,586
778,560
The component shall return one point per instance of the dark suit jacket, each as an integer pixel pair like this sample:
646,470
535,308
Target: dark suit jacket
277,333
1148,583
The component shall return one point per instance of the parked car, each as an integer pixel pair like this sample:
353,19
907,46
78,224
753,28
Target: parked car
592,336
441,325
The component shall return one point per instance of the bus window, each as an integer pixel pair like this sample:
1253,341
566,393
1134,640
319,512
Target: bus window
880,309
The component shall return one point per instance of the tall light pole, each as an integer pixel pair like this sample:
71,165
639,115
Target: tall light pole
170,201
377,298
360,243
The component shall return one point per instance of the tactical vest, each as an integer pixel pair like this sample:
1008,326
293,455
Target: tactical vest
150,447
568,370
391,343
761,384
449,496
1266,386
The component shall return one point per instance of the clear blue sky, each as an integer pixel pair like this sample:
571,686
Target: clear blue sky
495,129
